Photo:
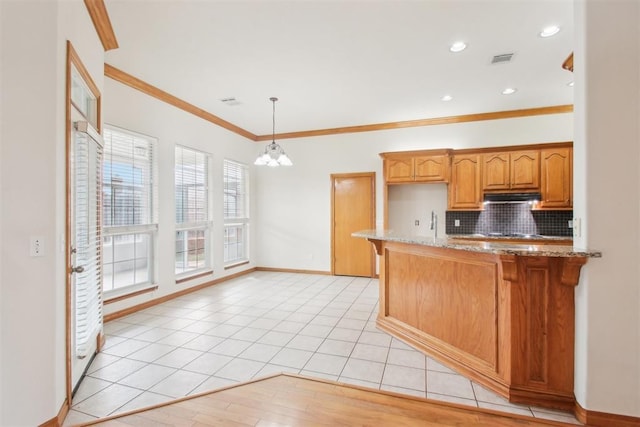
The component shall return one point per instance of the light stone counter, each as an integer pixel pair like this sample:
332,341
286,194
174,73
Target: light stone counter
489,246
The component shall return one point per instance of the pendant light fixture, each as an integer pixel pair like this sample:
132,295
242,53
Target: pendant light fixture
273,154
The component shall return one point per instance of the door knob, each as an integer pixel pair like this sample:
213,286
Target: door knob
78,269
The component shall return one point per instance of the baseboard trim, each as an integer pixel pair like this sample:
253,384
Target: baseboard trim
58,420
291,270
604,419
133,309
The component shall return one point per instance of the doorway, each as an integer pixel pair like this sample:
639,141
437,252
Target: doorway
83,221
353,208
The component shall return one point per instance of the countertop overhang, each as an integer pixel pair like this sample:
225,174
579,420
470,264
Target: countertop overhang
488,246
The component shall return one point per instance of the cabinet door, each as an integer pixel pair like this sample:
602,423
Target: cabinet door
399,170
465,185
495,171
557,191
525,170
431,168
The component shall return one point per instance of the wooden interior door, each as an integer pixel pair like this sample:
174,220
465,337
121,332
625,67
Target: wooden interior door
353,209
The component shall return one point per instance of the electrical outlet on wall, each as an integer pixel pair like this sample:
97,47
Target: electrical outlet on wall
36,246
456,223
417,222
577,227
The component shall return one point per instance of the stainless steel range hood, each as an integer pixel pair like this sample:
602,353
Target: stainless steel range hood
511,197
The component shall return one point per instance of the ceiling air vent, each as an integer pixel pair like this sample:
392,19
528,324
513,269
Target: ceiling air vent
499,59
230,101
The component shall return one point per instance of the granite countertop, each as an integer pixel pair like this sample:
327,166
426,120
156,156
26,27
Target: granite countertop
486,246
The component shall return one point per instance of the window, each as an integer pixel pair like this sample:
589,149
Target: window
192,211
236,212
128,208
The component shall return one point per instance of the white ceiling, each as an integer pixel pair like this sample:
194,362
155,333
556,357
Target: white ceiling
345,63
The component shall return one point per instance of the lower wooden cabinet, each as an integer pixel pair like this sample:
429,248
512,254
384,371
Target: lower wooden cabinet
505,321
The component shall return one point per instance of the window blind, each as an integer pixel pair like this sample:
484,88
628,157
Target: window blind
129,184
86,160
235,190
191,185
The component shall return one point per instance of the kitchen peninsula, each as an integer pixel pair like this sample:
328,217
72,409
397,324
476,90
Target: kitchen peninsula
501,313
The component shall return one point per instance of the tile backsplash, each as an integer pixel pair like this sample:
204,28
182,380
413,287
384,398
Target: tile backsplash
509,218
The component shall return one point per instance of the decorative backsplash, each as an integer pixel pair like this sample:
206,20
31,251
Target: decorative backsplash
510,218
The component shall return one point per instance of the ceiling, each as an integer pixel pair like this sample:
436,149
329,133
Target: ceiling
345,63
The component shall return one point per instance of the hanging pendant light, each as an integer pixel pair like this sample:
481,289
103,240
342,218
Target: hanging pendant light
273,154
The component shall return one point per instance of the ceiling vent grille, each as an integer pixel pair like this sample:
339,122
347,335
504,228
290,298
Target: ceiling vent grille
230,101
500,59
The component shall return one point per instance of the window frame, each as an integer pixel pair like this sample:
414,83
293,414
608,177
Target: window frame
203,225
241,221
149,228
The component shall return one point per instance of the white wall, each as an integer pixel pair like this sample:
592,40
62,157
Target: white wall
32,308
607,190
294,205
408,203
130,109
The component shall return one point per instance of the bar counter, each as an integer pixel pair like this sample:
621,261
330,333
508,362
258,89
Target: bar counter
500,313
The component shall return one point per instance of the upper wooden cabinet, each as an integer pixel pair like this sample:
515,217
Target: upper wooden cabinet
543,168
556,177
416,166
465,191
515,170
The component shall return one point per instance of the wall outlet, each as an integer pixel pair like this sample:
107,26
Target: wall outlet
570,224
456,223
577,227
417,222
36,246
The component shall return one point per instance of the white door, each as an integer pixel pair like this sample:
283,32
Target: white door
85,271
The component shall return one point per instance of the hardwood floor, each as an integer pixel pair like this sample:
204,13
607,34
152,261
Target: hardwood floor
298,401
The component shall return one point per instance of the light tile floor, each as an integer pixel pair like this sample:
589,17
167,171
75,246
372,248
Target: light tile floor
257,325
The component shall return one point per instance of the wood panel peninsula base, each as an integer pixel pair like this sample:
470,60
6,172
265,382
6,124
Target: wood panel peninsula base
501,314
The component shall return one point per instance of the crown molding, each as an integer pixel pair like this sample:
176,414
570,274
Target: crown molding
568,63
140,85
497,115
100,17
144,87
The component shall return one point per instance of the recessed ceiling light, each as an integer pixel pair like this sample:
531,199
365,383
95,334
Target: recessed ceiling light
447,98
458,47
570,84
509,91
549,31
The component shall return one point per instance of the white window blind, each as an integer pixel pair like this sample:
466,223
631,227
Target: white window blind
129,195
192,210
236,212
86,162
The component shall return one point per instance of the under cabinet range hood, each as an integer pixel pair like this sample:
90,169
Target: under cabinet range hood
511,197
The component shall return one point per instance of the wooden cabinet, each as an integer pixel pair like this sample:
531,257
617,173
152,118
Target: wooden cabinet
433,168
556,178
398,170
465,190
416,166
516,170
